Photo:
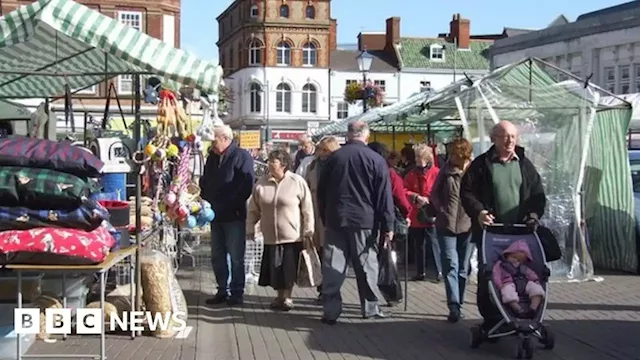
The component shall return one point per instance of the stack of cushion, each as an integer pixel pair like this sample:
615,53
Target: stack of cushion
45,206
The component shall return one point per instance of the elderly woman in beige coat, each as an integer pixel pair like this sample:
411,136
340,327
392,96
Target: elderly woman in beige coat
324,149
281,201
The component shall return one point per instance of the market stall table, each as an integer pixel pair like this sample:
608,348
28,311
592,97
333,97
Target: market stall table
101,269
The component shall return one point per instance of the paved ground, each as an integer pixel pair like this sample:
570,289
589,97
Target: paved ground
598,321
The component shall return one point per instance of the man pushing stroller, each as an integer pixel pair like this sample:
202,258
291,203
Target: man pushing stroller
500,186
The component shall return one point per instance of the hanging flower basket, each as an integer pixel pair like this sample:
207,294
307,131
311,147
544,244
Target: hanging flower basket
357,91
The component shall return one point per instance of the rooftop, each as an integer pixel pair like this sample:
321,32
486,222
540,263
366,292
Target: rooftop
345,60
415,53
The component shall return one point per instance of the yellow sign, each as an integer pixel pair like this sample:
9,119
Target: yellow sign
250,139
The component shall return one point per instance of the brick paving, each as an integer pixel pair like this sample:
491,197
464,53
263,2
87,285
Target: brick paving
598,321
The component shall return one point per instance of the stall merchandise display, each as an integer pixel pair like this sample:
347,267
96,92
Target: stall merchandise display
52,220
167,157
160,289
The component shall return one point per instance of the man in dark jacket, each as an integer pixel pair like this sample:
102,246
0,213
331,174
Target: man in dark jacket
227,183
500,186
354,201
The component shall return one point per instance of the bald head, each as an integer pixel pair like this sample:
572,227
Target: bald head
504,136
358,130
503,127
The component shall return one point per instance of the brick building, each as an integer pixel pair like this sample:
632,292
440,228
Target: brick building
159,18
276,55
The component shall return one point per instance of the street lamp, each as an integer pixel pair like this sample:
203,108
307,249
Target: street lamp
364,64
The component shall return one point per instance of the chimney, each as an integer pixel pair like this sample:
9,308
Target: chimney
460,31
393,32
333,35
371,41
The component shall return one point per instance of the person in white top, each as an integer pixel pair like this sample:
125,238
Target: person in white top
282,202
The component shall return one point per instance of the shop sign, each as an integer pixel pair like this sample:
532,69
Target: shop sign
250,139
278,135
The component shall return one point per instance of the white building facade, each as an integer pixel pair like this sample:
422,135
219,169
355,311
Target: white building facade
605,43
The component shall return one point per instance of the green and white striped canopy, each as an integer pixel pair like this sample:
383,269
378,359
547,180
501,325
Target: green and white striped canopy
50,43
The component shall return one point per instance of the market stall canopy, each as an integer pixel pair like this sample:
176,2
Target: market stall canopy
396,112
634,99
13,111
51,43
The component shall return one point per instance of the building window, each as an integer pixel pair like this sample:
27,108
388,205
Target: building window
343,110
255,52
284,11
637,70
349,82
254,11
131,18
232,60
310,12
436,52
425,85
134,20
255,98
309,99
625,79
609,79
309,55
283,98
284,53
381,83
125,84
91,90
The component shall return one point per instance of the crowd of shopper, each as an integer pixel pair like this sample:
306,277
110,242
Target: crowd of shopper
348,202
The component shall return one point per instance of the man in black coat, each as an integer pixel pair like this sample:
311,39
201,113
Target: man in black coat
500,186
354,201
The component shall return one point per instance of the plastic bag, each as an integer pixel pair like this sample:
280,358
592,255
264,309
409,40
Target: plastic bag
388,280
309,268
205,131
160,289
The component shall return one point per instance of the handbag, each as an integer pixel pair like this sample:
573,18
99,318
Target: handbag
427,213
309,268
401,226
388,279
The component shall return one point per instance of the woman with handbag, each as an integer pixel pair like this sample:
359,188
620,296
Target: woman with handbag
281,201
453,226
419,183
324,149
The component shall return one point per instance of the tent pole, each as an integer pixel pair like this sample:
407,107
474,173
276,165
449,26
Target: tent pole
530,80
137,138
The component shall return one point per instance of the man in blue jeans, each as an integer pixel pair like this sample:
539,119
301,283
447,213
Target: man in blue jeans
227,183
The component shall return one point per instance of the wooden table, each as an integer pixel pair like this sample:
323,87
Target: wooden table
101,269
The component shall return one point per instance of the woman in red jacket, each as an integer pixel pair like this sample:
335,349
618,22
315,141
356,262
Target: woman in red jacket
418,183
398,191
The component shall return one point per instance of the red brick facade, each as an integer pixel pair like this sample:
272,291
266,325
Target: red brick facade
247,21
151,14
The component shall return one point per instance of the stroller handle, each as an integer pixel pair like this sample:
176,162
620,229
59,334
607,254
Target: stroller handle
507,225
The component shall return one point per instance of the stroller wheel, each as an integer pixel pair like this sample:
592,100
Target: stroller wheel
527,347
476,337
520,350
548,339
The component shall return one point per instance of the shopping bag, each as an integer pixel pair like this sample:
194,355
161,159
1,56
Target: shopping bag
309,269
552,251
388,280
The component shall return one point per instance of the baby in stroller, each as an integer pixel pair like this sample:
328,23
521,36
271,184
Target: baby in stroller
514,279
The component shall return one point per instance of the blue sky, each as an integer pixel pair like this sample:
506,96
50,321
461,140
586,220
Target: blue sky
200,29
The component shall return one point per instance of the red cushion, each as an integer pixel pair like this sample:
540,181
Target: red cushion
91,246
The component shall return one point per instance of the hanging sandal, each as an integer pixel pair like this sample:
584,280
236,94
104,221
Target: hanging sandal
287,305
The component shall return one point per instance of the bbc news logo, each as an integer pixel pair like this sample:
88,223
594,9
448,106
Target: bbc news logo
91,321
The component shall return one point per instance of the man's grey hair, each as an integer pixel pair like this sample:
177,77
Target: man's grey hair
358,130
223,131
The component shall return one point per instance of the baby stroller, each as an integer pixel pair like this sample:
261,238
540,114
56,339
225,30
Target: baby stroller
496,239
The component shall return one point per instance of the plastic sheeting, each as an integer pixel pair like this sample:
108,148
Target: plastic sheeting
559,123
